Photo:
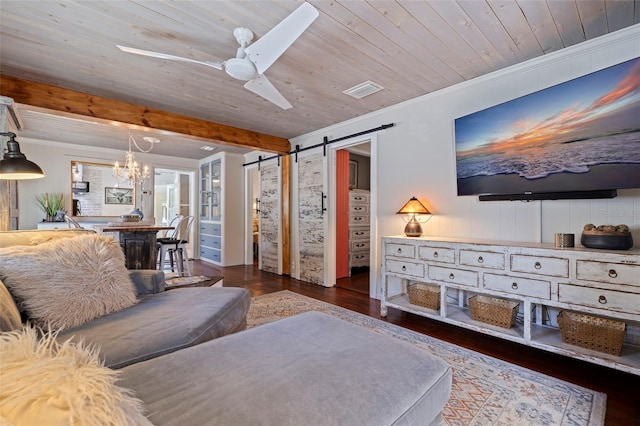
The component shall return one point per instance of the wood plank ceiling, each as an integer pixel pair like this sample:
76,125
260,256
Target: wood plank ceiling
410,47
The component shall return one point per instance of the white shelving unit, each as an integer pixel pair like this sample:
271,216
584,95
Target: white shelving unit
221,214
543,279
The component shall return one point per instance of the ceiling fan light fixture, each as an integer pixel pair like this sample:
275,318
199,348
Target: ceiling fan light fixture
240,68
363,89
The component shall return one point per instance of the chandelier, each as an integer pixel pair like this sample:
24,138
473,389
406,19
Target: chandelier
132,172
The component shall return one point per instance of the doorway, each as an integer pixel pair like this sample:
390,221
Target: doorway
252,225
353,218
172,197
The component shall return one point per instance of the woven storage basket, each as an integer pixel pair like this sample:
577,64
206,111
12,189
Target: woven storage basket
493,311
424,295
599,334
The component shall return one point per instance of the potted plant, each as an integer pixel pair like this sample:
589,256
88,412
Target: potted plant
50,204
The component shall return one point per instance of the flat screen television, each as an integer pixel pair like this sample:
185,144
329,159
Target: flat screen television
578,139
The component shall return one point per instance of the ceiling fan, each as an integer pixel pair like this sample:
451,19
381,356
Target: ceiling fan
252,60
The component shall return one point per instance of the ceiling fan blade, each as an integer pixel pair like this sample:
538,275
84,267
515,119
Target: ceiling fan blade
216,65
264,52
261,86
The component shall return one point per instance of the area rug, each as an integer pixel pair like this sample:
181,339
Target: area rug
192,281
485,391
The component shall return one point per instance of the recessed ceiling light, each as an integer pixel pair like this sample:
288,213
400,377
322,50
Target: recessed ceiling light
363,89
207,148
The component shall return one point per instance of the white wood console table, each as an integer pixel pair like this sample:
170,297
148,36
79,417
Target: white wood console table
544,279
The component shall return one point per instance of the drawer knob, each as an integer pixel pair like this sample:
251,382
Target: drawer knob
613,273
451,276
435,254
537,265
359,233
602,299
404,268
357,208
480,259
399,250
514,286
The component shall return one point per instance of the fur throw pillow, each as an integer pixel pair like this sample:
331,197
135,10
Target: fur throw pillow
9,315
67,282
45,382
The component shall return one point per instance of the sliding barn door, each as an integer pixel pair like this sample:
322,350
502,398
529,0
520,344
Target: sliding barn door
312,203
269,242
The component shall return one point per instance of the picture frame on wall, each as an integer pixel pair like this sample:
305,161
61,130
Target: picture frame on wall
353,174
118,195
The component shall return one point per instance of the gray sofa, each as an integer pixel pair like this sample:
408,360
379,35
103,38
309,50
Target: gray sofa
178,353
161,322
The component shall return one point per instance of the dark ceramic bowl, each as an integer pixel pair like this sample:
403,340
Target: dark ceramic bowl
607,240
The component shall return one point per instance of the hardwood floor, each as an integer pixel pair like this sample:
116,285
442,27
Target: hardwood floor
622,389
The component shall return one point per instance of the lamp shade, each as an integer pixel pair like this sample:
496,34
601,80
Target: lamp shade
14,165
413,206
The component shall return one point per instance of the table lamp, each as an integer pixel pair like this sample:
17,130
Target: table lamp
412,209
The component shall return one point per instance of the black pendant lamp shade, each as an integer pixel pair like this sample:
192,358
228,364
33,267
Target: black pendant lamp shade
14,164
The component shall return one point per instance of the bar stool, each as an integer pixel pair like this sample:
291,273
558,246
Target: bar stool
177,244
168,237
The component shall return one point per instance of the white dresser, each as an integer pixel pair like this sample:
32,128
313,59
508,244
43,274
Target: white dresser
359,228
542,278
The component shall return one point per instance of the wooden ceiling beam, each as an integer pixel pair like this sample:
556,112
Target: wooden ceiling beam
69,101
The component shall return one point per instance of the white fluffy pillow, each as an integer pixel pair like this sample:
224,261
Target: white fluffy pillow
69,281
45,382
9,315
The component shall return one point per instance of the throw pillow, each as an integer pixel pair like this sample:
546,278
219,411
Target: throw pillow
9,316
52,383
67,282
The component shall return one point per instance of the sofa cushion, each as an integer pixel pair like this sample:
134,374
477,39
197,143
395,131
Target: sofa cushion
308,369
165,322
68,281
46,382
9,315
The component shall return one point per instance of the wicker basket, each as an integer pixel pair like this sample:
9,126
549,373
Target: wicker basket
599,334
424,295
493,311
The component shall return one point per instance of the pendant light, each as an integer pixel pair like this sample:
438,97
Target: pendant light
14,164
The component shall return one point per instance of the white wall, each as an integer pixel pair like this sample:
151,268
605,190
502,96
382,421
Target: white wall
416,156
55,160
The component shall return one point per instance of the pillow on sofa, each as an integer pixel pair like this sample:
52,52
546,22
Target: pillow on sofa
67,282
45,382
9,315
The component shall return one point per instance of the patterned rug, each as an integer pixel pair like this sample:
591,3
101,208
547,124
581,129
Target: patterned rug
486,391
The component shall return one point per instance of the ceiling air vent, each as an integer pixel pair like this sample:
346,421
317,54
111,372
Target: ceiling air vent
363,89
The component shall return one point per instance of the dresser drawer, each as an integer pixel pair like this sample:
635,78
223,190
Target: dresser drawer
210,241
484,259
356,198
362,245
359,234
211,254
210,228
456,276
410,269
359,259
437,254
401,250
518,286
614,273
599,298
551,266
356,219
356,209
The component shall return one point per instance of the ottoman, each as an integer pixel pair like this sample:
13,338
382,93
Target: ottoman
310,369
